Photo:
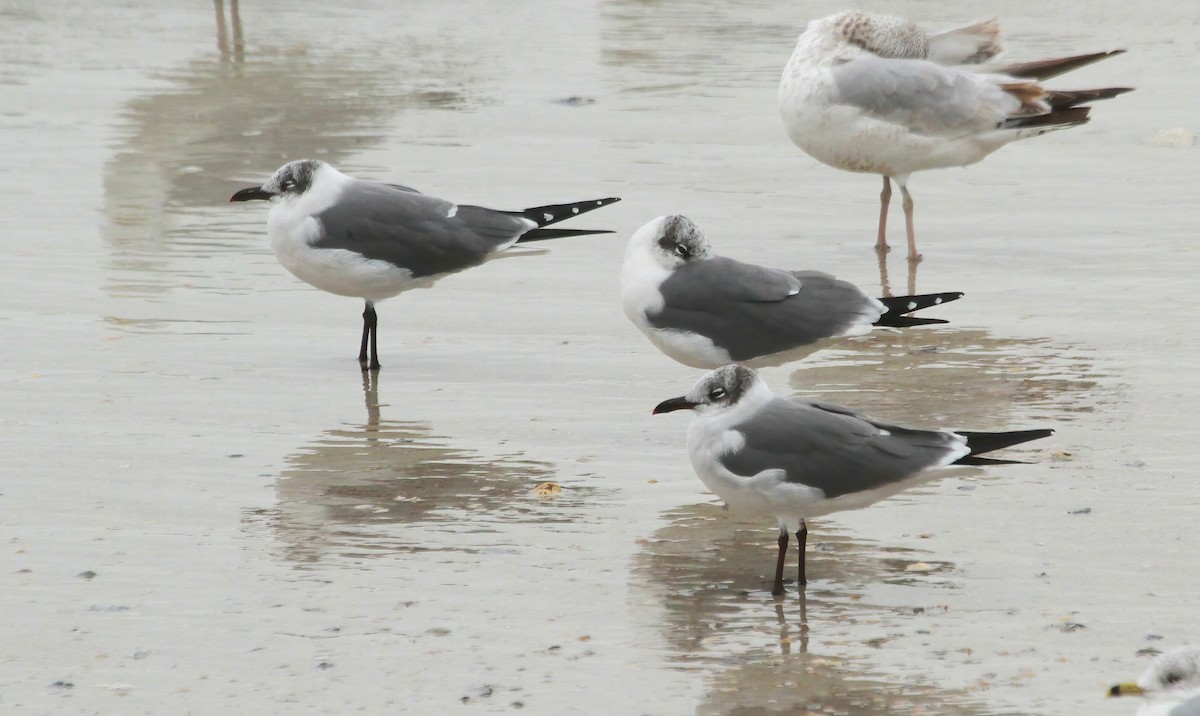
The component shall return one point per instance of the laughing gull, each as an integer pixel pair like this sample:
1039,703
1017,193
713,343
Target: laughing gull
873,93
373,241
1171,684
794,458
706,311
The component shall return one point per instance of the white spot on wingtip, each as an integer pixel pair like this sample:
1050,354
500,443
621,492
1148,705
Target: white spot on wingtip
599,203
937,301
574,209
912,305
453,210
547,217
883,433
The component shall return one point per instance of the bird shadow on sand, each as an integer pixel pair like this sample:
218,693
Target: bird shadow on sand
379,487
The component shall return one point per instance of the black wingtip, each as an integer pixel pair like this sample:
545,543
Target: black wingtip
554,213
980,443
544,234
899,306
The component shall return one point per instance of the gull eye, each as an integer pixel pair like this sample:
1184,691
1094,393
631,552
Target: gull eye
1172,678
289,184
716,394
682,251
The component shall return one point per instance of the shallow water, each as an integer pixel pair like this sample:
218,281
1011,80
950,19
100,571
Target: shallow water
205,508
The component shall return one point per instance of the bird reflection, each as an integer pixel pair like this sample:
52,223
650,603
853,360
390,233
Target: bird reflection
231,50
885,283
761,649
384,486
811,684
964,376
696,567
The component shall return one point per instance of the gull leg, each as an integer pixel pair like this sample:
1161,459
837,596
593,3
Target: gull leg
885,197
366,335
913,256
369,337
802,542
374,340
777,590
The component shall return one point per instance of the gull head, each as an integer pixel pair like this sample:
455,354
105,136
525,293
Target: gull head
671,241
290,180
883,35
717,391
1172,676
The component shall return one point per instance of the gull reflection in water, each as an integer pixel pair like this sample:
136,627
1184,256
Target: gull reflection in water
387,486
760,652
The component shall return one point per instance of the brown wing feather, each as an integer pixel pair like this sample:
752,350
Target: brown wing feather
1063,99
1057,118
1045,69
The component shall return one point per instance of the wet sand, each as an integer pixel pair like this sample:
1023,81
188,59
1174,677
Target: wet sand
205,509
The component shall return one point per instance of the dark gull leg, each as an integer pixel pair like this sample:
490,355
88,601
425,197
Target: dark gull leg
777,590
885,198
369,336
802,541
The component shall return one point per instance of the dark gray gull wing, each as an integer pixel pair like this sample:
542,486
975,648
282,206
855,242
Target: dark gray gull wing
835,449
752,311
424,234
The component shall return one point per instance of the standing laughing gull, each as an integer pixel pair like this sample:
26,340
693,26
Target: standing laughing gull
373,241
794,458
1172,684
873,93
706,311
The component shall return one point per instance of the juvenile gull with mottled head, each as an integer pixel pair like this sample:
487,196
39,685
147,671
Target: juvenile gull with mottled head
873,93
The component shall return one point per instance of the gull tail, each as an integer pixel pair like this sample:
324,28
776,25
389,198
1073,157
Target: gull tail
1043,110
980,443
898,306
553,213
1063,110
1045,69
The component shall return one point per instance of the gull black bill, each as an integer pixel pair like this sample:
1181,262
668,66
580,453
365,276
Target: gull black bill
672,404
250,194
